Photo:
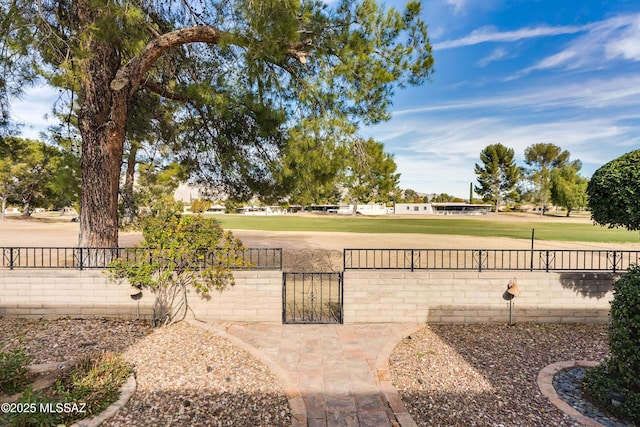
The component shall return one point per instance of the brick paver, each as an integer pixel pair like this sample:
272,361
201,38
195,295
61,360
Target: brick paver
334,375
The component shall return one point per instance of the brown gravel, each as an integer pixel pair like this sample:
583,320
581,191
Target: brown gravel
446,375
185,375
188,376
65,339
485,375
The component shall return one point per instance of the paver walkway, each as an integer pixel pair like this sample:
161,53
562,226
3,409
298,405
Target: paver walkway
334,375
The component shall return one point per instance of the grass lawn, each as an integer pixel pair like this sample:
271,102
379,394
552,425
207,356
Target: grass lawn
562,231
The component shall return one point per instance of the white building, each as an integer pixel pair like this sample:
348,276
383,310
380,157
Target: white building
442,209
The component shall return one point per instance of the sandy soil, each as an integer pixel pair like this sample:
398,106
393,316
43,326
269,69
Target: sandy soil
61,232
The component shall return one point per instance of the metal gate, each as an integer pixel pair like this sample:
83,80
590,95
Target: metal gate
312,297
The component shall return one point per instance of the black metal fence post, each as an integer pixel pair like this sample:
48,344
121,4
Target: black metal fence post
547,262
412,260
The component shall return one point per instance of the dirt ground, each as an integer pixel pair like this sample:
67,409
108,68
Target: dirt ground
56,231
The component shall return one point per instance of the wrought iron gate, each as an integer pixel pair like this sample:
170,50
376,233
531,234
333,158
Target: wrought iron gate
312,297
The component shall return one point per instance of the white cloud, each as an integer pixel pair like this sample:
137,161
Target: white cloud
603,41
496,55
458,5
33,108
440,157
627,45
613,92
491,34
616,38
436,147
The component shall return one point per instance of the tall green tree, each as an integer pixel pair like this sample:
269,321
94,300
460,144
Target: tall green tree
36,174
568,188
498,174
614,192
542,158
313,162
411,196
371,174
243,72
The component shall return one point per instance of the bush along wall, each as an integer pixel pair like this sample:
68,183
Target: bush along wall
615,384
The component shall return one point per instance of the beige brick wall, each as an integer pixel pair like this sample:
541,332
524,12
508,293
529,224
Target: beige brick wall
370,296
256,296
472,297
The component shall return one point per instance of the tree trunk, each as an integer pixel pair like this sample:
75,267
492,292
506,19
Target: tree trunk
101,161
106,88
130,210
101,120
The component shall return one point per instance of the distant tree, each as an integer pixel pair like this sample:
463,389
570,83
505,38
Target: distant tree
371,175
36,174
498,174
313,162
200,205
410,196
6,182
446,198
157,181
542,158
568,189
614,192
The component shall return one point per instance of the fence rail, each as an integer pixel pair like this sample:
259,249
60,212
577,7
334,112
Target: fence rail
353,259
490,259
96,258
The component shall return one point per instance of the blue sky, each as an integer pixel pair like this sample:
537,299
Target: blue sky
515,72
518,73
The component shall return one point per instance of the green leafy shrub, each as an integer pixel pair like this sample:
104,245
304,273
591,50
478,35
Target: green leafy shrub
85,389
624,330
613,193
181,252
94,380
621,371
34,416
13,369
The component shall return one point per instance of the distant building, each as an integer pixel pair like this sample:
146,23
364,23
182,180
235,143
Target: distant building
450,208
368,209
11,210
261,210
372,209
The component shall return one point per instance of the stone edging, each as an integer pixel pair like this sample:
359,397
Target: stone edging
126,391
545,383
296,403
383,378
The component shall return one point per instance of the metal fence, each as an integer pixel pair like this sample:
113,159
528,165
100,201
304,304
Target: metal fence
353,259
490,259
312,297
96,258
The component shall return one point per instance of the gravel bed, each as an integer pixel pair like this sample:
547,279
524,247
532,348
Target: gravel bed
188,376
446,375
568,386
185,375
485,375
65,339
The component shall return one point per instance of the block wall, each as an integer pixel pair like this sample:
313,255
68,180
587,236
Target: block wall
473,297
256,296
369,296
